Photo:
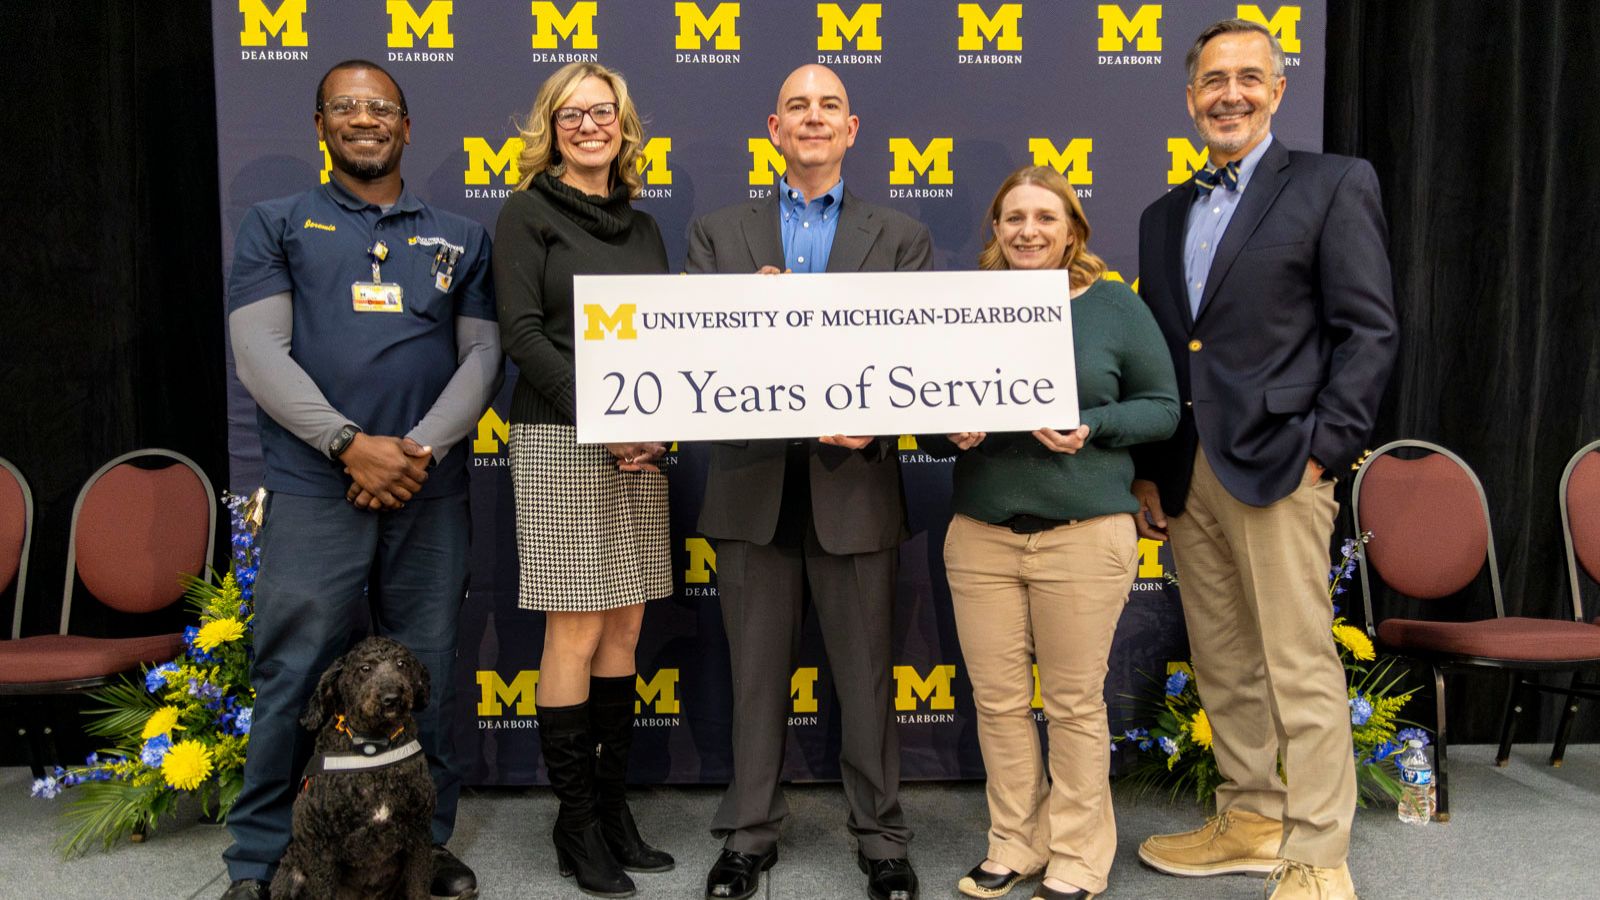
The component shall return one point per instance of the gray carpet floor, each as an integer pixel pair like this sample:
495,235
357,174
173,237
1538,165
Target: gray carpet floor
1523,831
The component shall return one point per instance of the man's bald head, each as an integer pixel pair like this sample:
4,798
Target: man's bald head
813,127
813,78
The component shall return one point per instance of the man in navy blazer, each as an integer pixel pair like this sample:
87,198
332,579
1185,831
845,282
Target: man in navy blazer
1270,280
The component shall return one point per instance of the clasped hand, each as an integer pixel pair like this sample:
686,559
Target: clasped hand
1071,442
637,457
385,471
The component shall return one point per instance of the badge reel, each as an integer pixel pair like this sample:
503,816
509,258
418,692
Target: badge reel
376,295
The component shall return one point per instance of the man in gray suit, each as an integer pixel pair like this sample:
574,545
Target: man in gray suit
825,512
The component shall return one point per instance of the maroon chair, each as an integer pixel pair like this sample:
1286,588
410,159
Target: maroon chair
1430,540
1579,496
16,537
135,530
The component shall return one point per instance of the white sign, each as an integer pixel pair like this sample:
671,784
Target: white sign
727,357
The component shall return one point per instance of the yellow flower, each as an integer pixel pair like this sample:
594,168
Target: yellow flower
1200,729
214,634
1356,641
162,721
186,765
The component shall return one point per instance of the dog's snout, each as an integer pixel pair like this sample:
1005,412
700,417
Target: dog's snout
391,699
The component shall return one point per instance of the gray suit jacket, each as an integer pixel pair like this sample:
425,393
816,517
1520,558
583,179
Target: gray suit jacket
856,497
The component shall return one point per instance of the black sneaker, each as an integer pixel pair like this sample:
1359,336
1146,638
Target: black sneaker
246,889
452,879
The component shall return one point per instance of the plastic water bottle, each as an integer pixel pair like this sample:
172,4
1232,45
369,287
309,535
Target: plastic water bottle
1416,785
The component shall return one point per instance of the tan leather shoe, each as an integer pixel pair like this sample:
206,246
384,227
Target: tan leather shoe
1230,843
1297,881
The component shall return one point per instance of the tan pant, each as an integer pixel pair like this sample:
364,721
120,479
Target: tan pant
1056,595
1254,582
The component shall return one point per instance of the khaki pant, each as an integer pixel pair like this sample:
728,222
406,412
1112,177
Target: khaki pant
1055,595
1254,582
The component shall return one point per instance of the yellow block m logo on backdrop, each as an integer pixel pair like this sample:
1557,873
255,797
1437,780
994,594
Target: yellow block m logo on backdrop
495,695
493,432
619,320
803,689
287,22
662,690
483,161
1116,29
933,161
576,25
860,27
694,25
404,22
1071,160
652,161
1284,24
978,26
766,163
1186,160
934,690
702,561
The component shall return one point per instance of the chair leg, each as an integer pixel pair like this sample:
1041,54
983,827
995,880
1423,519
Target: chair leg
1558,751
1441,777
1508,719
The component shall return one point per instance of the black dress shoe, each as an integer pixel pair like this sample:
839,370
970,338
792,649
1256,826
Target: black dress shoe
735,875
1044,893
246,889
888,879
981,882
451,877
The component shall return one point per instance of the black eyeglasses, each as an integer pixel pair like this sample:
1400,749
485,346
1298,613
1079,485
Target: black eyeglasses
568,118
348,107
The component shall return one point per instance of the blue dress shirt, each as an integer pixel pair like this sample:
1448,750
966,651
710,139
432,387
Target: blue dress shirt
1208,221
808,228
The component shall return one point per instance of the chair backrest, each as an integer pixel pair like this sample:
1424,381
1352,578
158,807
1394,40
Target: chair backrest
16,536
135,529
1429,521
1580,518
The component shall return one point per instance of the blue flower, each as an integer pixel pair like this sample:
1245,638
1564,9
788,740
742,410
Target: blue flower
156,679
1169,746
46,788
1133,734
1176,682
1385,750
241,722
1360,711
155,750
1413,734
206,692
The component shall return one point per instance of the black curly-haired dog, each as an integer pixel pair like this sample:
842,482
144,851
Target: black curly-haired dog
361,820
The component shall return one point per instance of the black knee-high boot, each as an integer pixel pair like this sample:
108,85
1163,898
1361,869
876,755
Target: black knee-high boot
611,720
569,755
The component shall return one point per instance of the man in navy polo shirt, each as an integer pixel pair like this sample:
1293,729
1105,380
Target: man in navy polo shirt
362,323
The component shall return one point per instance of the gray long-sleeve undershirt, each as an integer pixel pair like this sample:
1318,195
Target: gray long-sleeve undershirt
261,332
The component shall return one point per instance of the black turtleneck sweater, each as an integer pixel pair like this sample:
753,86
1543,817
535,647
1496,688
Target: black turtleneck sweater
547,234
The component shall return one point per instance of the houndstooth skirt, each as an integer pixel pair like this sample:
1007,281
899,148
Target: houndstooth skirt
589,538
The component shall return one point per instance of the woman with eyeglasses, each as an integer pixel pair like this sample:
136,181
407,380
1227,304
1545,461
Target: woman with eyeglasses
591,519
1041,554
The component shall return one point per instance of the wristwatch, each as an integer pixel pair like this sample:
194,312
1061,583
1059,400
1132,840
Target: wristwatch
341,441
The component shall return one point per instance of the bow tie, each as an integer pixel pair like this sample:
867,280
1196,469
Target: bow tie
1210,178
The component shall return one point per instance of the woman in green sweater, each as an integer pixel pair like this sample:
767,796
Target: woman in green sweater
1041,555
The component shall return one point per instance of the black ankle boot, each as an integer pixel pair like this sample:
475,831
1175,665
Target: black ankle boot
611,721
580,847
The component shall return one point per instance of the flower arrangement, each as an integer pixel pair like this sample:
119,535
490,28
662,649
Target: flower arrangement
181,728
1176,746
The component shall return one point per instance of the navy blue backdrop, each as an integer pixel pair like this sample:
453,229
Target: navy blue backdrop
952,96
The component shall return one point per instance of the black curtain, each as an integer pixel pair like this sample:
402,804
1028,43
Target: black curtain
1481,118
1483,121
112,321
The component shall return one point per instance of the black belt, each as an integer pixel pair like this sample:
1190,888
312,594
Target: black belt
1022,523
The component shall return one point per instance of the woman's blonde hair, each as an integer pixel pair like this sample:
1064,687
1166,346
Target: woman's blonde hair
539,152
1085,266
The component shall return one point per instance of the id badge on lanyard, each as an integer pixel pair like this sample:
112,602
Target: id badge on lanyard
377,295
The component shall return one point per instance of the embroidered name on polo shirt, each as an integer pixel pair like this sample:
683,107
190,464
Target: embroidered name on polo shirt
319,226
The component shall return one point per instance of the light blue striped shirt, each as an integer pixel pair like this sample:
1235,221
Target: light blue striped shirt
1208,221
